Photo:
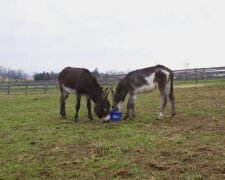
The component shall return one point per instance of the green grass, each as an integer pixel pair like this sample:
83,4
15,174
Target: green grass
35,143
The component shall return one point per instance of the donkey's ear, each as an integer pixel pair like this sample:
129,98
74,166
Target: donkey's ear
112,92
106,93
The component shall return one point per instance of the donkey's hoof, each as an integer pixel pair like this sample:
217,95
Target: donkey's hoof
63,117
107,121
161,116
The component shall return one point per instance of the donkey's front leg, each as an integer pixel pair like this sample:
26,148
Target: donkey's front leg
89,107
128,110
131,106
77,107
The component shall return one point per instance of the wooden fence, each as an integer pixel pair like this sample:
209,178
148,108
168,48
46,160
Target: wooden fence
26,87
200,74
44,86
185,74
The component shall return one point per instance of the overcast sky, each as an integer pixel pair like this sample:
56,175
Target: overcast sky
48,35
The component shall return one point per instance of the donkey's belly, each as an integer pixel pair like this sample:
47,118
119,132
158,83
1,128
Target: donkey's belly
73,91
150,84
147,88
69,90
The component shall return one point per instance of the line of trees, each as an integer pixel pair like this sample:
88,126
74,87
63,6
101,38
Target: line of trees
11,74
96,72
45,76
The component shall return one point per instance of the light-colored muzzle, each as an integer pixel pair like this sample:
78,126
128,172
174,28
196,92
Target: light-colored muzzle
106,119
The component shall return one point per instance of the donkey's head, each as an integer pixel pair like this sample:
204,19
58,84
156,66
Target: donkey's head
102,106
118,97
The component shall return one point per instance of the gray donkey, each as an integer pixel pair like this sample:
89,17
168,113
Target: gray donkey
147,80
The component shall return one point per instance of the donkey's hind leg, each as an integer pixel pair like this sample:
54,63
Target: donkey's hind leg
163,106
170,96
63,97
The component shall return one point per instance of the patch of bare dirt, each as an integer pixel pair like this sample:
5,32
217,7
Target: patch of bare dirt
184,124
69,157
123,174
200,150
173,163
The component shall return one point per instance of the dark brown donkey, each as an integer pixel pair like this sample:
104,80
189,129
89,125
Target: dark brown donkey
147,79
80,82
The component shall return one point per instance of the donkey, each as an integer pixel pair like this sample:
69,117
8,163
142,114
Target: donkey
147,79
81,82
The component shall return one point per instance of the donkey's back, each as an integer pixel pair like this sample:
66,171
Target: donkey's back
76,79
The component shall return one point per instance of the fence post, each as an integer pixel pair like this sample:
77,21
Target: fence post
205,74
185,75
26,90
45,89
8,89
196,76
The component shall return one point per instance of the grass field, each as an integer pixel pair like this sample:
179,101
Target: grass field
35,143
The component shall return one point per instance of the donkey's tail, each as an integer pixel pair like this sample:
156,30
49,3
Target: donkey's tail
171,97
171,84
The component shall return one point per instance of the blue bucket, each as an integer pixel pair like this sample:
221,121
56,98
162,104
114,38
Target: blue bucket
115,116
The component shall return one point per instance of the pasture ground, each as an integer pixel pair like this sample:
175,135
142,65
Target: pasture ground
35,143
